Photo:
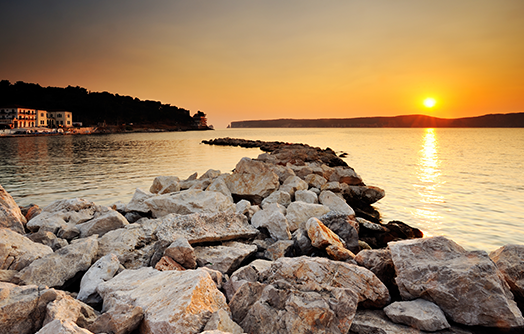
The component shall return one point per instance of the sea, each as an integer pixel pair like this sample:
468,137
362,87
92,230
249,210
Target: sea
463,183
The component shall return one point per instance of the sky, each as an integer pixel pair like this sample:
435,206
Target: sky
265,59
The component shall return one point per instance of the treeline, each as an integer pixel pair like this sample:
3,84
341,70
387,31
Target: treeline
512,120
93,108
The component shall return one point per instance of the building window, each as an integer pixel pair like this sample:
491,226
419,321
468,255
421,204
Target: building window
68,123
59,115
68,116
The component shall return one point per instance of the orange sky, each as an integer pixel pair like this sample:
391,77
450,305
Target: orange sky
240,60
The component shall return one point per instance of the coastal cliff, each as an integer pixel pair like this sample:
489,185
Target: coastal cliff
288,242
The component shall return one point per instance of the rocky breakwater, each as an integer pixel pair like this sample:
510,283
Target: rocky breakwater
276,246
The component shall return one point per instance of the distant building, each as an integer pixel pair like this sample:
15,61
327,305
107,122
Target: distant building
200,120
16,116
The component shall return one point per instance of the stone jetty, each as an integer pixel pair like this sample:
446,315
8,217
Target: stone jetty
288,242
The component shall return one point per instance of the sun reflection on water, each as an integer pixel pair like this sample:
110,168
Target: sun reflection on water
428,174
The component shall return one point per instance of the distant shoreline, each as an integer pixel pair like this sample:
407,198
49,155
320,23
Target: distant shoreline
511,120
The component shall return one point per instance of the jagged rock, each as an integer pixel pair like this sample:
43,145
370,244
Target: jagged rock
279,249
302,242
221,321
281,197
335,203
252,180
23,308
345,227
510,261
172,301
30,211
226,258
306,196
164,184
298,213
380,263
66,308
189,201
335,187
210,174
167,263
48,221
201,227
253,272
68,232
292,184
181,251
345,175
119,319
365,194
302,171
108,221
315,181
7,275
419,313
10,215
137,202
244,207
62,327
273,220
282,172
466,285
323,238
48,239
219,185
133,217
102,270
56,268
17,251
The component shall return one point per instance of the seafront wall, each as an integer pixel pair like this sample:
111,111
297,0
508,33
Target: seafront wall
288,242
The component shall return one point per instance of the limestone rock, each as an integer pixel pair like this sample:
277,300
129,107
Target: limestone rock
302,242
119,319
380,263
466,285
17,251
62,327
419,313
30,211
167,263
48,239
102,270
345,175
201,227
315,181
48,221
66,308
165,184
273,220
55,269
253,272
181,251
188,202
298,213
219,185
23,308
104,223
244,207
137,202
172,301
365,194
279,249
293,184
221,321
376,322
226,258
210,174
282,172
345,227
323,238
10,215
335,203
306,196
7,275
510,261
281,197
252,180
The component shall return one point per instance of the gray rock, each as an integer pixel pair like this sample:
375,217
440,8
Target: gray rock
293,184
55,269
181,251
10,215
102,270
298,213
172,301
164,184
510,261
419,313
188,202
280,197
48,239
279,249
273,220
253,272
282,172
345,175
219,185
315,181
335,203
118,319
302,242
365,194
252,180
226,258
380,263
202,227
467,286
17,251
306,196
7,275
345,227
102,224
323,238
137,202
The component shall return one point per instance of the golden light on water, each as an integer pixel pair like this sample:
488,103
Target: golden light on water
429,179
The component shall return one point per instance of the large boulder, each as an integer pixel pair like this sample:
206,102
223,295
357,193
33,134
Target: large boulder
102,270
55,269
510,261
273,220
10,214
252,180
172,301
419,313
225,258
467,286
298,213
204,227
17,251
380,263
188,202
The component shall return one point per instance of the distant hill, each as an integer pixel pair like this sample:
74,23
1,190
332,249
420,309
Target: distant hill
93,108
513,120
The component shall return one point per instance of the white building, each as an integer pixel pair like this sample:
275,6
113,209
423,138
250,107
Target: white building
16,116
59,119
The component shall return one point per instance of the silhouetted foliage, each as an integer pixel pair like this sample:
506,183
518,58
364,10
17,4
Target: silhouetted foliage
92,108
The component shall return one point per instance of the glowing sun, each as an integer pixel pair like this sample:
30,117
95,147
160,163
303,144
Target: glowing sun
430,102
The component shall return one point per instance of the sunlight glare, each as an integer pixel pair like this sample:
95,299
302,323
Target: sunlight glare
430,102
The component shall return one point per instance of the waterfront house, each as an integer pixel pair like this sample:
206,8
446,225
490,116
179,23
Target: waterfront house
16,116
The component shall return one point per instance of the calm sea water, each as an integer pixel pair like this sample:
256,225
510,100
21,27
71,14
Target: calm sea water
466,184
